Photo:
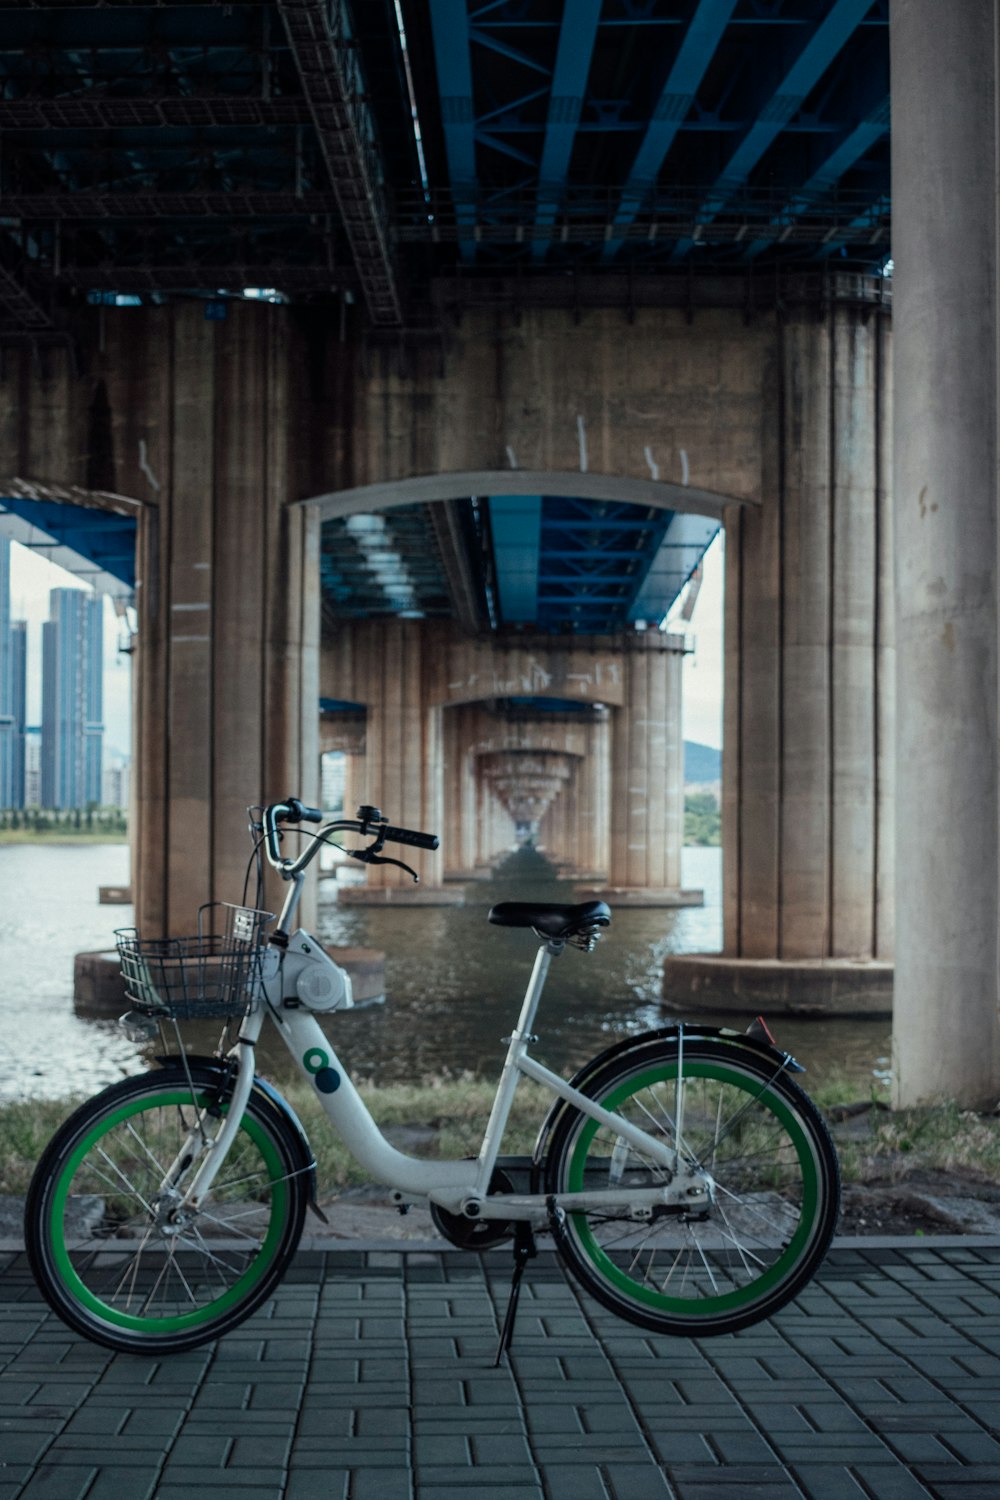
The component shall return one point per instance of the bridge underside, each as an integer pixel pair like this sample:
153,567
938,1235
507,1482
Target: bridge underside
258,254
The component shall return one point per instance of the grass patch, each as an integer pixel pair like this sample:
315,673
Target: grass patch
25,1129
447,1118
906,1142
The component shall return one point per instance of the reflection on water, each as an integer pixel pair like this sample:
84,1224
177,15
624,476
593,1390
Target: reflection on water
454,982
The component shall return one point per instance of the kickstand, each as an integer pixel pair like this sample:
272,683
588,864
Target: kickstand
524,1250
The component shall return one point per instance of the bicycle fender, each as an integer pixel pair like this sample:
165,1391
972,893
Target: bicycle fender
692,1032
261,1086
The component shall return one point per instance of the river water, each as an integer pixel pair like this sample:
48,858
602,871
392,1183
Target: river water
453,981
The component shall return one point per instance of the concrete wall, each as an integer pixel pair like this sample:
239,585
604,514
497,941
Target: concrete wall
543,392
218,428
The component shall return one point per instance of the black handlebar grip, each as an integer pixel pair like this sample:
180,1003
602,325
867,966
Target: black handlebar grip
410,836
299,812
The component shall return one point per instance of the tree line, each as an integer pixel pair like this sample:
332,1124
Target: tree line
702,819
42,820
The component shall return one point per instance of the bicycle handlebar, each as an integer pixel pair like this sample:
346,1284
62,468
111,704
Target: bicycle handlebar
369,823
298,812
410,836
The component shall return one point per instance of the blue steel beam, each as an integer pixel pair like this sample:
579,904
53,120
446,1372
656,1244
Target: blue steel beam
453,58
569,83
866,225
850,151
95,545
696,52
516,528
686,543
812,62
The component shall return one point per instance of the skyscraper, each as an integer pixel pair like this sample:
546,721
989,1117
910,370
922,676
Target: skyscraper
72,694
13,688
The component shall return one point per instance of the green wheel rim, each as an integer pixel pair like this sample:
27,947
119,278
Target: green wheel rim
707,1307
77,1287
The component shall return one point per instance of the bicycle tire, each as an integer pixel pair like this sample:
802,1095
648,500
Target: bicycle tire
98,1253
775,1198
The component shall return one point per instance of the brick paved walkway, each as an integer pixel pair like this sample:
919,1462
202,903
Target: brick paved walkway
369,1378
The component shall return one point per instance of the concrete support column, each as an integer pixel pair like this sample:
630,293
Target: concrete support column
946,1035
559,828
809,648
227,653
808,774
592,789
403,767
647,780
460,801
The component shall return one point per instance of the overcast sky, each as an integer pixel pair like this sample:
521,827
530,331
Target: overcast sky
32,577
703,668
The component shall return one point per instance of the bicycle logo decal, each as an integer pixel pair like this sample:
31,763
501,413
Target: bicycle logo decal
317,1062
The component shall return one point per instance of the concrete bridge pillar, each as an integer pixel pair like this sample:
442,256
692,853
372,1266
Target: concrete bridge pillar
944,145
460,825
808,773
227,652
527,782
646,792
404,755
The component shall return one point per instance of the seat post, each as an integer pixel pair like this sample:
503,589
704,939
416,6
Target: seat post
517,1046
550,949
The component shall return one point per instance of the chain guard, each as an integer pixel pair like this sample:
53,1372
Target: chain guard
476,1234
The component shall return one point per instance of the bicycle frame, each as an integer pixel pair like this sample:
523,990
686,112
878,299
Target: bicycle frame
460,1187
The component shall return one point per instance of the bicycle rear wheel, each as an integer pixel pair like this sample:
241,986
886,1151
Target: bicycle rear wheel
104,1248
775,1189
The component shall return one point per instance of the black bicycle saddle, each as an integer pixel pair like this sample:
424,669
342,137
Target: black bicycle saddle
559,922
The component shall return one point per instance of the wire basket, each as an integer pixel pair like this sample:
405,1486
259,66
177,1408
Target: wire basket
196,978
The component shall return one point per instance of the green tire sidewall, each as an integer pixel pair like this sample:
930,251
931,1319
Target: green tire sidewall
710,1307
78,1291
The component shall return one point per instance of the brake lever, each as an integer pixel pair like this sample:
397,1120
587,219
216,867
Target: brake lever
369,857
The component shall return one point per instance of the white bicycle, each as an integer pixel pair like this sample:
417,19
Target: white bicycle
685,1178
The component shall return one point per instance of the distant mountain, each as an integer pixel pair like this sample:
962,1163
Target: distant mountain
702,763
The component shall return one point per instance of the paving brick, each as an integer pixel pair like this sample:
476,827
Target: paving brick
488,1491
173,1489
521,1476
137,1483
879,1382
317,1484
573,1481
62,1482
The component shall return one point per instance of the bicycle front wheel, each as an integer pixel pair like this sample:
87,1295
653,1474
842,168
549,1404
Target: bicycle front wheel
774,1189
107,1250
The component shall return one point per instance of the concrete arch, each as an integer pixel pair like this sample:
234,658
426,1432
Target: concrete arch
69,494
454,669
427,488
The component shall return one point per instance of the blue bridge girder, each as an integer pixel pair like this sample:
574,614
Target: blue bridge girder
170,150
815,58
565,105
560,154
848,151
566,564
452,54
696,52
97,546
